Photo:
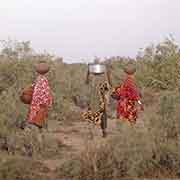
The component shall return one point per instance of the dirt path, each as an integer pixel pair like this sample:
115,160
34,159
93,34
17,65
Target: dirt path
76,136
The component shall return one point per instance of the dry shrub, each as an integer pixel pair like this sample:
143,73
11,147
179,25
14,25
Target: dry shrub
120,157
149,96
91,164
22,169
138,157
97,162
31,144
150,149
135,152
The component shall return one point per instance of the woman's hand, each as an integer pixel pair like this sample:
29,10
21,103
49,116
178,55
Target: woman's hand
141,105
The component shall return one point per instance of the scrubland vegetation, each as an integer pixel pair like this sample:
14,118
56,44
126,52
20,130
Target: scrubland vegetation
150,149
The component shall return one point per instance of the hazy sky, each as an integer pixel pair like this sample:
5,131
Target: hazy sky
82,29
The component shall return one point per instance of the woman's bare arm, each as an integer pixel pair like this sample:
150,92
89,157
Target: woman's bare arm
87,76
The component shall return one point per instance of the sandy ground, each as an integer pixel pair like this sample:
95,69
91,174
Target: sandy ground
77,135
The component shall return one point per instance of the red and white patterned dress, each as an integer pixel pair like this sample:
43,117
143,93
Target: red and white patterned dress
41,97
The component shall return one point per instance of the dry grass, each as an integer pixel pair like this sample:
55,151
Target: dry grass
150,149
23,169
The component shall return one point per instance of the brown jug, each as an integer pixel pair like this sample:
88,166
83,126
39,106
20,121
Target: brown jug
42,68
26,95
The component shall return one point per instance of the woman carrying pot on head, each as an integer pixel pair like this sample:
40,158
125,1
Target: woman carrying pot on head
41,97
128,96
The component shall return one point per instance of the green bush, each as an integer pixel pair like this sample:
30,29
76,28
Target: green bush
148,150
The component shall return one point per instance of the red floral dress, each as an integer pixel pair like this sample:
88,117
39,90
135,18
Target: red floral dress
127,94
41,98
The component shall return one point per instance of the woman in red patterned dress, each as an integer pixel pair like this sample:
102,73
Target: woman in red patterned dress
41,98
128,97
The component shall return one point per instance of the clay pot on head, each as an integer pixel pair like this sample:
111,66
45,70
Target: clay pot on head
42,68
130,69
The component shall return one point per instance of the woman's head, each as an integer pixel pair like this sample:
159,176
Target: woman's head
130,69
42,67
